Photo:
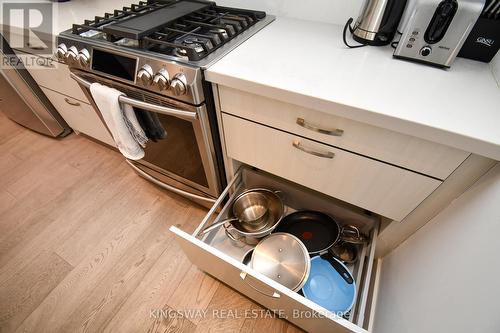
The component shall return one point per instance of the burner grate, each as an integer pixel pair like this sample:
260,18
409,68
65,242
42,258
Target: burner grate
189,29
197,34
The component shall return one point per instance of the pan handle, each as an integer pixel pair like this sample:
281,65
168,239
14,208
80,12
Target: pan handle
243,276
230,235
341,269
217,224
351,234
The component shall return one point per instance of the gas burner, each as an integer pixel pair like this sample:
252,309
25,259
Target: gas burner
187,29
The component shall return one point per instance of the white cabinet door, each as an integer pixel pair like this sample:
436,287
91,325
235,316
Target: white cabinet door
79,116
445,277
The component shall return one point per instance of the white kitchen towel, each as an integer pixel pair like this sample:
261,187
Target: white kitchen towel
121,121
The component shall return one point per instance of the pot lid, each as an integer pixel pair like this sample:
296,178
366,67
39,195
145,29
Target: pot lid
283,258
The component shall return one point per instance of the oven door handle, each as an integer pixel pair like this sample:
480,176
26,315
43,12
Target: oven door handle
189,115
169,187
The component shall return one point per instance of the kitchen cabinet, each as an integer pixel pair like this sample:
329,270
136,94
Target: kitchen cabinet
445,277
418,280
79,116
55,76
382,188
409,152
265,147
217,255
69,99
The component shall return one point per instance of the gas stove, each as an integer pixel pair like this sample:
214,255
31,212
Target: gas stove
155,52
159,45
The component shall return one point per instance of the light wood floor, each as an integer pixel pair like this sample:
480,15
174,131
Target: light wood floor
84,246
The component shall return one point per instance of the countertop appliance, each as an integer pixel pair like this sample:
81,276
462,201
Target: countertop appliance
436,30
377,22
484,39
22,100
155,53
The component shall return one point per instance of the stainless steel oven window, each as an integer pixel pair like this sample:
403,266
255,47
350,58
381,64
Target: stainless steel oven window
188,143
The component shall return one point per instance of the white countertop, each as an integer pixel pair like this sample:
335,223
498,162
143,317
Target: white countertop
306,63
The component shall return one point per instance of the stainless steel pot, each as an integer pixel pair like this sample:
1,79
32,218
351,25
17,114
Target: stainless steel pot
250,210
276,210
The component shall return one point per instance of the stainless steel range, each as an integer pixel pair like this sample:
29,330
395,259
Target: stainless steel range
155,53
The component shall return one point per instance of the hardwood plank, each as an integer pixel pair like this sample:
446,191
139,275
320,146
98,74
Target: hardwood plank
21,294
226,312
8,128
169,324
8,162
267,322
154,290
195,292
7,200
59,306
46,226
77,203
97,308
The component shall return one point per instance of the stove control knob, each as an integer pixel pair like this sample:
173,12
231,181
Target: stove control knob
71,55
61,51
179,84
84,57
145,75
162,79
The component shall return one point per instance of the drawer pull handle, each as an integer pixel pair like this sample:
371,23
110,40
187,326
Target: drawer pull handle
243,276
334,132
67,100
327,154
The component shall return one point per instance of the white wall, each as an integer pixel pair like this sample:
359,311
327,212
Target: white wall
329,11
446,277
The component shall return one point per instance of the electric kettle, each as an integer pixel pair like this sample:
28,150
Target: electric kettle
377,22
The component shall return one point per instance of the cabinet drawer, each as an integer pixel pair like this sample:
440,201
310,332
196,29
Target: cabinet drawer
56,77
217,255
79,116
406,151
381,188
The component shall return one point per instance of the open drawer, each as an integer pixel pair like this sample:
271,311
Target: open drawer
222,258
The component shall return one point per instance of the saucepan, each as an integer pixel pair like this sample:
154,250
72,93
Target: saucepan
255,214
249,209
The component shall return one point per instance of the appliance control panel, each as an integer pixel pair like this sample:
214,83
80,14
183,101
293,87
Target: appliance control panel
161,76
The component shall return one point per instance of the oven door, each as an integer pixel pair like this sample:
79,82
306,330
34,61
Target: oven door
184,161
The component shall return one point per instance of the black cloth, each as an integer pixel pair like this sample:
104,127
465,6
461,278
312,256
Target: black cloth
151,125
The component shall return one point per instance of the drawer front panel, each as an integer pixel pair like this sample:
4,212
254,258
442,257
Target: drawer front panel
79,116
56,77
260,288
384,189
403,150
